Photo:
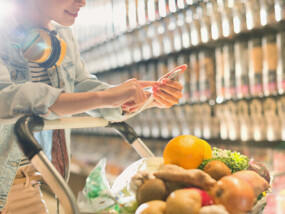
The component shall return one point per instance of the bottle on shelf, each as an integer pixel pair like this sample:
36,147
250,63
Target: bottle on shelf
142,12
255,66
184,79
220,74
258,120
270,61
239,16
207,85
152,10
132,14
216,20
281,62
267,12
194,78
229,70
244,119
252,14
273,122
226,10
186,38
177,31
205,22
279,6
241,67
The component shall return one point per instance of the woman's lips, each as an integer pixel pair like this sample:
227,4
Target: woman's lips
73,14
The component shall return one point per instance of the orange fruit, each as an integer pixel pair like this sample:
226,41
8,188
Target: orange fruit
208,150
186,151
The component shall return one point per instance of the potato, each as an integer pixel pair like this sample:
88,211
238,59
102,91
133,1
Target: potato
217,169
152,207
153,189
183,201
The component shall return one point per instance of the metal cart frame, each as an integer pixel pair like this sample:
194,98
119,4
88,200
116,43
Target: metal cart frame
27,125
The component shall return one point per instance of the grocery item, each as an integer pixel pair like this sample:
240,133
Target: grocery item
235,194
258,183
152,207
234,160
186,151
183,201
153,189
217,169
190,177
260,169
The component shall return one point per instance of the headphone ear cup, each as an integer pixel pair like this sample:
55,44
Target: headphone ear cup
37,45
43,47
55,52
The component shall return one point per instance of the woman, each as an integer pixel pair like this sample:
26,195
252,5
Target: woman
61,89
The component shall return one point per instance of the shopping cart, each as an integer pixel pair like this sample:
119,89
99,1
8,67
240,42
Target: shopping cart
27,125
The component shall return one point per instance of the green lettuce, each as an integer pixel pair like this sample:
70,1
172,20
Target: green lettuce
234,160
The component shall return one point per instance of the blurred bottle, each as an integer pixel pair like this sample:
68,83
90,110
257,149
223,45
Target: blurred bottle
163,8
162,68
279,10
194,24
270,61
206,121
145,42
255,66
181,4
267,12
272,120
152,10
194,78
281,115
229,70
127,51
244,121
172,6
258,120
184,79
168,41
252,14
220,80
197,116
239,16
216,20
186,37
157,40
136,46
189,118
177,32
241,67
119,15
231,115
205,22
142,12
132,14
226,10
223,122
281,62
207,85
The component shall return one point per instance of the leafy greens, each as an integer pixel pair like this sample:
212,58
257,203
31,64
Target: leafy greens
234,160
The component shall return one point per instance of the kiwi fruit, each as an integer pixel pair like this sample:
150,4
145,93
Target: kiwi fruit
217,169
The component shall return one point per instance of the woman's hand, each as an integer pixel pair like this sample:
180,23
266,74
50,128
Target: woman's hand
166,93
130,95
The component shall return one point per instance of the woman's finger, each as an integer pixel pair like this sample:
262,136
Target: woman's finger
171,91
163,103
171,83
165,96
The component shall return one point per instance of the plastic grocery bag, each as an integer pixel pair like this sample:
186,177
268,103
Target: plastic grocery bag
98,197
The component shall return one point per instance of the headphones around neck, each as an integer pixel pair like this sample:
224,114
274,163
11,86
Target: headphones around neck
43,47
